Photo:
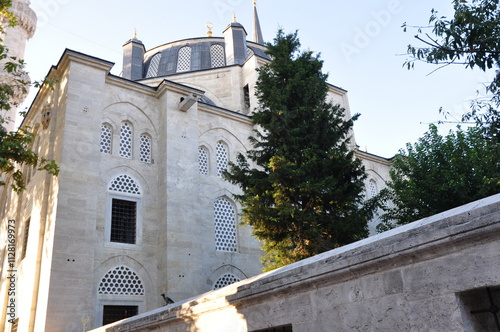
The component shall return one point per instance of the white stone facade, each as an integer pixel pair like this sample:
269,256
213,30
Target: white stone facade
139,208
440,273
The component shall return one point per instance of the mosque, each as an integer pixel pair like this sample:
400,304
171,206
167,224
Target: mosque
139,215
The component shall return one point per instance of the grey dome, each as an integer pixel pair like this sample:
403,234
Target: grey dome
191,55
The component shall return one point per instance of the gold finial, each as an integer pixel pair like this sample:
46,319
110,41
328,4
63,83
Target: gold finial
209,26
255,3
234,17
135,34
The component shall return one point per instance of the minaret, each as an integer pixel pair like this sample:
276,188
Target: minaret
14,39
257,32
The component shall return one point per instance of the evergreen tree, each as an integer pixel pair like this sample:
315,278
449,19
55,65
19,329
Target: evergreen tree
305,194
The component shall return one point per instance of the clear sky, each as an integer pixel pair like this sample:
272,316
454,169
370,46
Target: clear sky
361,42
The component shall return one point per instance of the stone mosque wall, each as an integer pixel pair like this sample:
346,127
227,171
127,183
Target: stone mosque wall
440,273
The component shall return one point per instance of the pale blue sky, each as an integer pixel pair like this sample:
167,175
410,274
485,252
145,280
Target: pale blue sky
361,42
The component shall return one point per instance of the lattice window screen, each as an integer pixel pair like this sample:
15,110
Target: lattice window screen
145,149
106,139
225,280
222,158
153,66
203,160
217,56
126,140
225,225
121,281
373,188
184,59
124,184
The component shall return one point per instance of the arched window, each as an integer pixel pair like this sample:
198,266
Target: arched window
121,281
124,184
373,188
106,133
153,66
145,149
184,59
125,283
217,58
203,160
225,280
222,158
123,224
225,225
126,140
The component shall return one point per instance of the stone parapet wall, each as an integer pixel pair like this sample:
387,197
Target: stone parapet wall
426,276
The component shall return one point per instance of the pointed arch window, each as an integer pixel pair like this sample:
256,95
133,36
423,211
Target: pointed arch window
145,149
203,160
222,158
126,140
184,59
225,280
124,211
153,66
373,188
225,225
121,294
217,57
106,134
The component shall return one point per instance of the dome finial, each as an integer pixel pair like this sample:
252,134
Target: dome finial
255,3
209,26
135,34
234,17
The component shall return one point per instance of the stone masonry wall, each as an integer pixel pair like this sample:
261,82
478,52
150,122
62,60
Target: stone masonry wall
425,276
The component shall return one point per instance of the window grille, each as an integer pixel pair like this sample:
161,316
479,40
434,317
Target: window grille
153,66
124,184
246,97
203,160
123,221
373,188
217,56
145,149
225,280
222,158
114,313
121,281
126,140
250,52
225,225
106,139
184,59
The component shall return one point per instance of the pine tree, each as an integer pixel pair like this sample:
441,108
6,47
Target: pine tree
305,194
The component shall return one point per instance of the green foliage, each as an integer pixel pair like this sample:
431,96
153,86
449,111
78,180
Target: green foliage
14,151
439,173
15,146
305,195
470,38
